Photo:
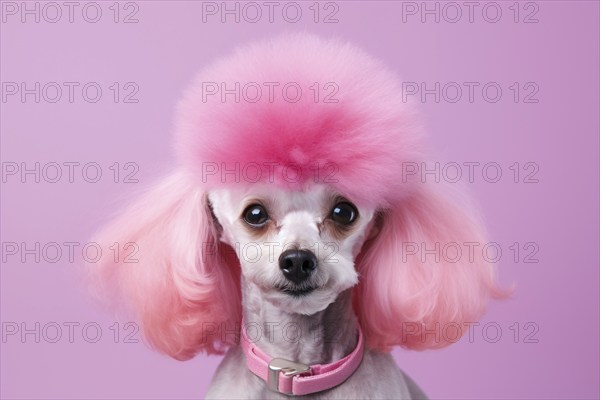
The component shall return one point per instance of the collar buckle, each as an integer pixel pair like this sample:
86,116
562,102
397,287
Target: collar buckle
287,367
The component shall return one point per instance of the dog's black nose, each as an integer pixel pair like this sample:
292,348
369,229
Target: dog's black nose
297,265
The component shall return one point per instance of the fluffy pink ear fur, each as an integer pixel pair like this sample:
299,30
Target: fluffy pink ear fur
414,300
183,286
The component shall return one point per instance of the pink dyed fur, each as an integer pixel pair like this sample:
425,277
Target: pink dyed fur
402,300
181,279
367,134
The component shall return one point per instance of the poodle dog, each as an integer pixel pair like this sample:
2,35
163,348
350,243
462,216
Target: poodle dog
288,236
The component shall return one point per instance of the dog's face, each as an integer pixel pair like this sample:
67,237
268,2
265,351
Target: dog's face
297,247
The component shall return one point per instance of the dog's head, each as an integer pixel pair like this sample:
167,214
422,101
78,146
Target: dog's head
293,155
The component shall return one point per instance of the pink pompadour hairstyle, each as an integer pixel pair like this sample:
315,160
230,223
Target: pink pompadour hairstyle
184,280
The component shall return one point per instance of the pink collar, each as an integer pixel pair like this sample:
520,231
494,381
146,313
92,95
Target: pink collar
293,378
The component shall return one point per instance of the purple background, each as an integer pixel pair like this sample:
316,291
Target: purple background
161,52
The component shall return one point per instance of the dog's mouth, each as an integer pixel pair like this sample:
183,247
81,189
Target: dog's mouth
297,291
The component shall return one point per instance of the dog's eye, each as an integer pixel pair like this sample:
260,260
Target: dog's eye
344,213
255,215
